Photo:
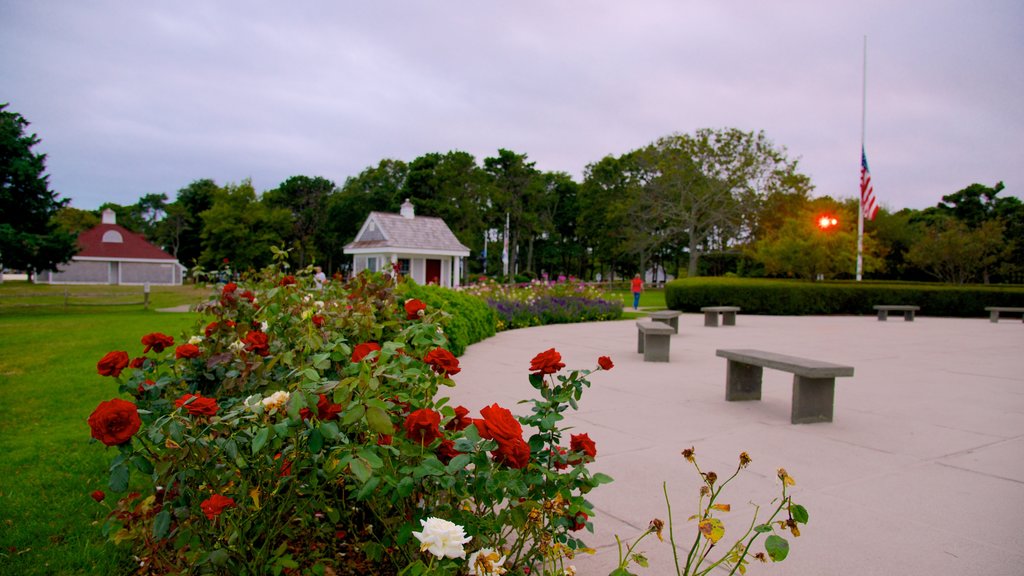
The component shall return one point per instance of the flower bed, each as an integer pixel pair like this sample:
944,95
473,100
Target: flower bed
539,303
299,430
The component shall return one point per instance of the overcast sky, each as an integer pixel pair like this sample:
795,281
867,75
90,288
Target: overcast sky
132,98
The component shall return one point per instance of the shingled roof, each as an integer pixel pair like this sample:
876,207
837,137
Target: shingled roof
406,232
109,241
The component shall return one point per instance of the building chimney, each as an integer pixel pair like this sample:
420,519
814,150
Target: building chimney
407,210
109,216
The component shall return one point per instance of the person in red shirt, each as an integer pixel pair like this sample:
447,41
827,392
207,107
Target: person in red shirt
638,287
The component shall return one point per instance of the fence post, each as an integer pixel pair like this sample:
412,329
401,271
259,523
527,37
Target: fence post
65,298
145,296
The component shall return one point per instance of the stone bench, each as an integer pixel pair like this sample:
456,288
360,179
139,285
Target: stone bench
670,317
814,381
994,311
653,340
728,315
884,309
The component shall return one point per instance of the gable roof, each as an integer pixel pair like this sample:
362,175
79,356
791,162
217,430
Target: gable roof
132,246
418,234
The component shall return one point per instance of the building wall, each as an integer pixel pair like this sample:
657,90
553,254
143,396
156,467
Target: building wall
107,272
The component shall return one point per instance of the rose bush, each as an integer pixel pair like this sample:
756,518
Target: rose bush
307,433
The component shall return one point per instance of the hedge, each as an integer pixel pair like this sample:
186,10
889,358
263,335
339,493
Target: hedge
470,319
800,297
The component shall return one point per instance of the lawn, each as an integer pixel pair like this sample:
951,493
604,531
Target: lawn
48,388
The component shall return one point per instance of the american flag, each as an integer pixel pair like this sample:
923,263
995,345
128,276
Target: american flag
867,191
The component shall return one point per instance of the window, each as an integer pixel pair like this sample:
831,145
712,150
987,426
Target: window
404,266
371,263
113,237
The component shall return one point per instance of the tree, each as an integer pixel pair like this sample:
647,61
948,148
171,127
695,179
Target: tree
375,188
954,253
517,186
182,229
75,221
306,199
30,237
710,185
242,229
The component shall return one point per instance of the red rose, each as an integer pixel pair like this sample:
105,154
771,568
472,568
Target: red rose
605,363
98,495
384,439
443,362
459,422
318,320
287,281
146,385
156,342
558,458
513,453
257,343
248,295
325,410
363,349
211,329
582,443
446,451
199,405
114,422
138,362
423,426
547,362
579,521
216,504
229,288
186,351
413,307
112,363
499,424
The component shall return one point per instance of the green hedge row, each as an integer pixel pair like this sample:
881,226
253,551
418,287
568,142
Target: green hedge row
798,297
470,319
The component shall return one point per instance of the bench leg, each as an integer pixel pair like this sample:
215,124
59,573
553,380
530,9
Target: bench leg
908,316
728,318
674,323
711,318
656,347
993,316
742,381
639,342
813,399
882,315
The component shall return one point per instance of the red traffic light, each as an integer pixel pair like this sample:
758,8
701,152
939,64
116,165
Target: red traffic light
825,221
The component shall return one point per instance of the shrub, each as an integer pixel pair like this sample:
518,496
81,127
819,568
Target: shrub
468,319
301,431
539,303
796,297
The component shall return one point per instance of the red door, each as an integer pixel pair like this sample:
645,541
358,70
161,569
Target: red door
433,271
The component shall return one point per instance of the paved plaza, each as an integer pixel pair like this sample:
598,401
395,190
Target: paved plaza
920,473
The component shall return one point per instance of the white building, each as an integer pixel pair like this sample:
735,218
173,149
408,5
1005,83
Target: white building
422,247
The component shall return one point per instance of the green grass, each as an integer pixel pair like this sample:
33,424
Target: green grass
48,388
651,298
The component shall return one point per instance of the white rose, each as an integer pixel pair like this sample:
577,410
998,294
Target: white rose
276,400
442,538
195,340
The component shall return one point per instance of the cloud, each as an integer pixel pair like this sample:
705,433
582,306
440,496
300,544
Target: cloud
137,98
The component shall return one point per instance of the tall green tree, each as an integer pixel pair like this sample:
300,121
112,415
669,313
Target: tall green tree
240,228
517,186
181,231
30,237
601,223
955,253
306,199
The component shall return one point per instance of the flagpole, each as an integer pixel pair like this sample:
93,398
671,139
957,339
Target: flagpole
860,194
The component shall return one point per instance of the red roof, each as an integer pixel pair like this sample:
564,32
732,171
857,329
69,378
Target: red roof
132,245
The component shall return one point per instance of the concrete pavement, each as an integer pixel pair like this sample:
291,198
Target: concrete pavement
921,472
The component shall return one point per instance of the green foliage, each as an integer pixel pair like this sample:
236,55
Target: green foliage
303,429
467,320
30,238
793,297
539,303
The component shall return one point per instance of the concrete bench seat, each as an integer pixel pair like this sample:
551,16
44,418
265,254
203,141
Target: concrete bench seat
995,311
884,309
814,381
653,339
670,317
728,315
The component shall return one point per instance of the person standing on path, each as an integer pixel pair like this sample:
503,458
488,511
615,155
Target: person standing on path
638,287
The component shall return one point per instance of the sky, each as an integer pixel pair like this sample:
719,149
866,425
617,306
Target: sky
136,98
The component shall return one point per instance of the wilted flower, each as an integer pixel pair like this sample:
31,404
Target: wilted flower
442,538
744,459
688,454
486,562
